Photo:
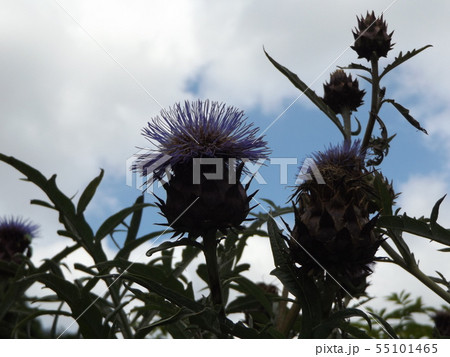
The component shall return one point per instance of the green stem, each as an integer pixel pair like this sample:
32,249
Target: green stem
346,116
414,270
375,104
210,251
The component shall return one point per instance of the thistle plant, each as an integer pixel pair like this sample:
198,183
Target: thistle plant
343,226
187,136
340,225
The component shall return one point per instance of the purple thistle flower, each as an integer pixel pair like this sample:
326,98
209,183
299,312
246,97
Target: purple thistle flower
199,130
15,237
345,156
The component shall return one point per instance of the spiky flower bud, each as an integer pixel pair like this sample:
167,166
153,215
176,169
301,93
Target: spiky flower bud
202,196
332,228
371,37
342,93
15,238
442,323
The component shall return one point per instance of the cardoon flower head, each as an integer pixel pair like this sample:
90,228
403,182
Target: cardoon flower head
342,92
15,238
332,219
371,37
201,130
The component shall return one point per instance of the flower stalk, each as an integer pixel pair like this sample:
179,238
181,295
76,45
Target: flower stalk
346,115
375,104
212,267
210,251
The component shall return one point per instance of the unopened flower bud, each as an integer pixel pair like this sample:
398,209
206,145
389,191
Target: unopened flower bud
371,37
342,93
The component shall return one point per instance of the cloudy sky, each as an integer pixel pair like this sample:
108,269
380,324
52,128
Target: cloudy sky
79,79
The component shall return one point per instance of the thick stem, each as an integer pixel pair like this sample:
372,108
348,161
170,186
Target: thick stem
414,270
375,104
346,116
210,251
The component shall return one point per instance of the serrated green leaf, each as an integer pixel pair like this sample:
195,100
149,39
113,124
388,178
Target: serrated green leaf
402,58
365,78
116,310
435,211
277,244
55,267
187,256
179,315
169,244
358,130
65,233
298,283
242,303
61,202
241,268
74,224
386,327
356,66
88,193
297,82
249,288
84,268
405,112
382,194
416,227
87,314
160,289
154,275
60,256
135,222
338,320
270,202
32,315
110,224
132,245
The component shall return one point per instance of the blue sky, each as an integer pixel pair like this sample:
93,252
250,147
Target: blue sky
80,79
